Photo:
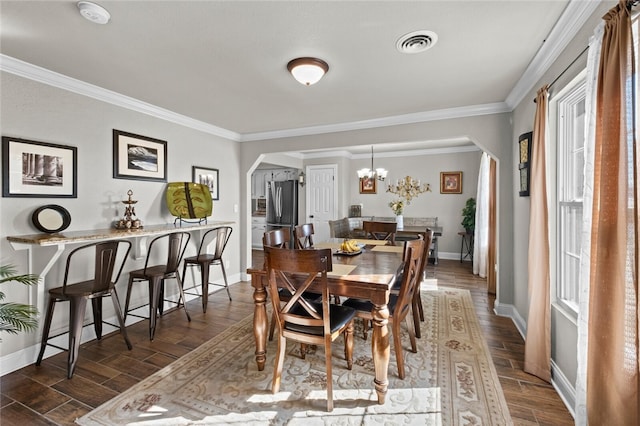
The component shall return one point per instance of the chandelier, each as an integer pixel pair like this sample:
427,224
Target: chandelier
379,173
408,188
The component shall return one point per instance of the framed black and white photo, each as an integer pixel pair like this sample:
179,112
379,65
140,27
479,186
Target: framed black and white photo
38,169
139,157
208,177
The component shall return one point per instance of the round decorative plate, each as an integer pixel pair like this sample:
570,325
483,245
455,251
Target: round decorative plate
51,218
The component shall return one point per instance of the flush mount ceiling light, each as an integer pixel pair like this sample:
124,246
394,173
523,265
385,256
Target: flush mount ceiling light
307,71
417,41
93,12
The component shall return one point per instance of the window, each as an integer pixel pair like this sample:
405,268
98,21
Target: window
570,137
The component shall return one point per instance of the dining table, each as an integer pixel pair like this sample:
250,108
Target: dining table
368,274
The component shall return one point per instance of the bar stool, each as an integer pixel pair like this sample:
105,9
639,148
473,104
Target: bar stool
156,274
106,260
219,237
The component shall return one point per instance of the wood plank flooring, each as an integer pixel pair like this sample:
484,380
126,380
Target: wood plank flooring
44,396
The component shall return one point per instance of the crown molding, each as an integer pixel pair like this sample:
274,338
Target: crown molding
391,154
51,78
418,117
573,18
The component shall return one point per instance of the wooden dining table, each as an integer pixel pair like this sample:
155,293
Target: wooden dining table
368,275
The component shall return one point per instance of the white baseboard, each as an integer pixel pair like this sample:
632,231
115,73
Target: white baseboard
564,387
559,381
27,356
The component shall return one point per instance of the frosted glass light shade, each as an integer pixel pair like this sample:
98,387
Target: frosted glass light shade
307,71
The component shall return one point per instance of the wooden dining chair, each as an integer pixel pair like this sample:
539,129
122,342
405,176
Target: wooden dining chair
303,236
399,304
416,309
218,238
301,319
109,257
157,274
381,231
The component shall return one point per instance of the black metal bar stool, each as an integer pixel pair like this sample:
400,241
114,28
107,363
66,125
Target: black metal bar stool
156,274
108,258
218,237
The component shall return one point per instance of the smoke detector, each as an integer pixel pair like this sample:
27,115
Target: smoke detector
93,12
416,41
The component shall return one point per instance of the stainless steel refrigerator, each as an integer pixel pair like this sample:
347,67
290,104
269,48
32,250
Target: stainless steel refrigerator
282,205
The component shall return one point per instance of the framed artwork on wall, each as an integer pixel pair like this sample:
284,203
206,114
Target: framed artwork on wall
38,169
208,177
139,157
451,182
367,185
524,164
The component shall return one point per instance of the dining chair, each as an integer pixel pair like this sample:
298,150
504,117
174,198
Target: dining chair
381,231
301,319
399,304
303,236
176,244
109,257
416,308
218,238
281,238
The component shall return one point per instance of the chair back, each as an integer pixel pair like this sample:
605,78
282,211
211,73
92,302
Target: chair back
339,228
219,237
303,235
109,257
297,270
177,244
280,238
381,230
413,251
425,254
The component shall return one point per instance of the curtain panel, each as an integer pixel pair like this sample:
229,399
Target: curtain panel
612,354
537,350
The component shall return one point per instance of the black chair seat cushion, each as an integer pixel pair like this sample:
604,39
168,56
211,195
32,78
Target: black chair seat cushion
364,305
339,316
285,294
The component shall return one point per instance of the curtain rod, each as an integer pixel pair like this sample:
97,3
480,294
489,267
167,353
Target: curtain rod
630,4
567,68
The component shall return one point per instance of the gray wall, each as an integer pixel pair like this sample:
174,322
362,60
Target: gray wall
563,326
34,111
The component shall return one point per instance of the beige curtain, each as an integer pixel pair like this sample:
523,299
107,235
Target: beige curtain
612,355
537,350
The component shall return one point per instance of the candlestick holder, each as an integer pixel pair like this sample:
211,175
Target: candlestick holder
130,220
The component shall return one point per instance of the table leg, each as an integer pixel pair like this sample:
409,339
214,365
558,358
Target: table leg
259,319
380,349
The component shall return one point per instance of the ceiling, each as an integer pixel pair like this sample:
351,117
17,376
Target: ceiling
222,64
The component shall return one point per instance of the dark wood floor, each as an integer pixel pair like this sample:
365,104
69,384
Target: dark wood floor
44,396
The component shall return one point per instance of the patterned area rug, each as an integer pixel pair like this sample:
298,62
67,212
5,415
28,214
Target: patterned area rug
450,381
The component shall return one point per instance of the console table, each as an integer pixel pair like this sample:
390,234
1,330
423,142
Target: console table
61,240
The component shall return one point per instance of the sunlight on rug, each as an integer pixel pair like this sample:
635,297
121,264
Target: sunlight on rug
450,381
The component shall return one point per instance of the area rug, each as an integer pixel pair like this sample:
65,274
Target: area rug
451,380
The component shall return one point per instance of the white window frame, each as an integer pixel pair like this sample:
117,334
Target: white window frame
567,180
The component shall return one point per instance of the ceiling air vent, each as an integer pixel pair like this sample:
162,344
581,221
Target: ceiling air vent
417,41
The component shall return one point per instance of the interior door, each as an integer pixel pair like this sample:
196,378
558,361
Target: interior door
322,199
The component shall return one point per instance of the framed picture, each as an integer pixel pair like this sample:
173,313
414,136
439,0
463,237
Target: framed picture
524,166
368,185
139,157
38,169
208,177
451,182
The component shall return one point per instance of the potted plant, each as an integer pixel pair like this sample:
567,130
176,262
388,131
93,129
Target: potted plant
469,216
15,317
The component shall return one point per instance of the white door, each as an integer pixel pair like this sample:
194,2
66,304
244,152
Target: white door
322,199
